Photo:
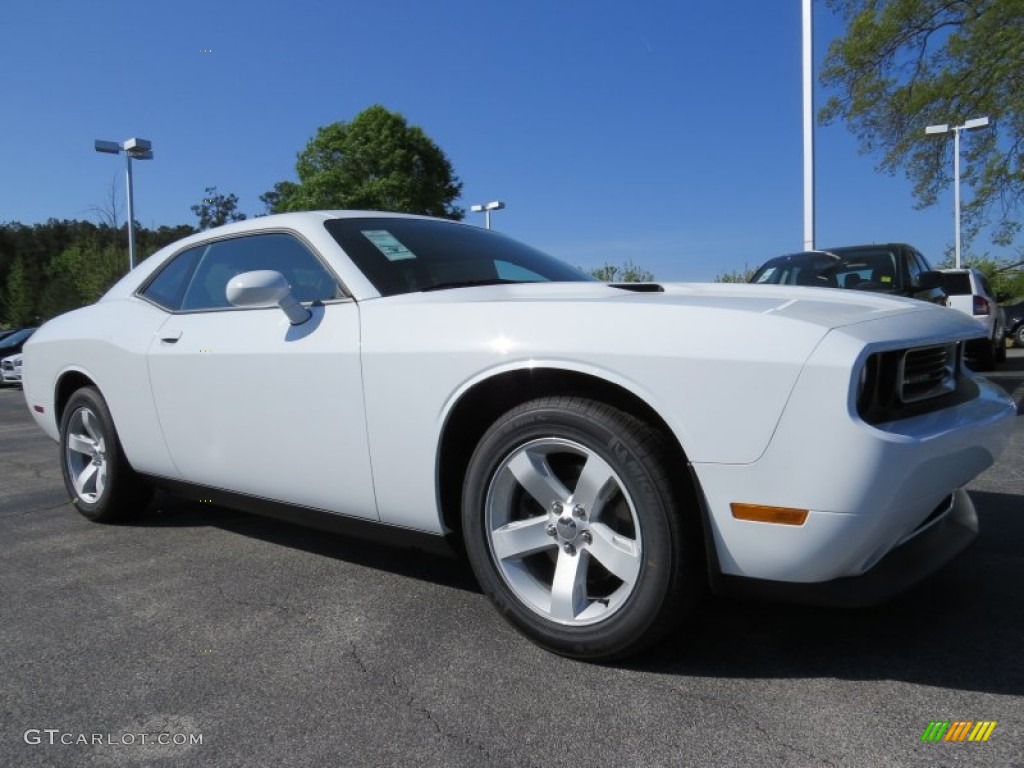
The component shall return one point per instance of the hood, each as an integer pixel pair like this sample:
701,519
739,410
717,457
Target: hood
825,307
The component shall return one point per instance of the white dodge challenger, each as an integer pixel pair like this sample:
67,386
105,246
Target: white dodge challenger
602,453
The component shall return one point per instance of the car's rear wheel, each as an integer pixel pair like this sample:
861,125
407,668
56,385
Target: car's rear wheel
102,485
574,528
1018,337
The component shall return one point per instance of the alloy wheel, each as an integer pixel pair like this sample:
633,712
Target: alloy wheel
563,531
86,455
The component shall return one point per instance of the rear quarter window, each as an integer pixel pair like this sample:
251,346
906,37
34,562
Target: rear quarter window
167,288
957,284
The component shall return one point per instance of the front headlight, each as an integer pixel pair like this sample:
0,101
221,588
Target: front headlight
904,382
867,384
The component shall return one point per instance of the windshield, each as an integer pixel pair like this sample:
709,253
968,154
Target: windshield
400,255
866,269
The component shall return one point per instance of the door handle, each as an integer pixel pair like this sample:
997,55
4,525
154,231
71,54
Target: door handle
170,337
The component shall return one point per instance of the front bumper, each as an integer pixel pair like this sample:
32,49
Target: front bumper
943,537
867,487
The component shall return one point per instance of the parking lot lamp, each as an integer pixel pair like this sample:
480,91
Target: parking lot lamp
978,122
134,149
486,209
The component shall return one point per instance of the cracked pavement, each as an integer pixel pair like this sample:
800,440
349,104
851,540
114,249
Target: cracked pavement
285,646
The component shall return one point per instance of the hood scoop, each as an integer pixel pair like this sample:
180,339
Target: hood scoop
639,287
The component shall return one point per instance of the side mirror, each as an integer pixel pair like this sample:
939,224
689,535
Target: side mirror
266,288
929,280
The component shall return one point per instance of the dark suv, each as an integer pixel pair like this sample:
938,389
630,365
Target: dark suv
895,268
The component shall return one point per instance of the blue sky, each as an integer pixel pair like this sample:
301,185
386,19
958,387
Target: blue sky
663,132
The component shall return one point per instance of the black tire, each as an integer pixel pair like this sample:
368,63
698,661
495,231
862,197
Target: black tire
1001,350
103,486
1018,337
635,560
987,356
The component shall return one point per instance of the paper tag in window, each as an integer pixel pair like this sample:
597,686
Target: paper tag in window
388,244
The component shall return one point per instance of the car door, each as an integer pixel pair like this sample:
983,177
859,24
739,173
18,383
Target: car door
917,265
252,404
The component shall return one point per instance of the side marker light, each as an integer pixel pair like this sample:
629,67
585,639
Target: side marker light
758,513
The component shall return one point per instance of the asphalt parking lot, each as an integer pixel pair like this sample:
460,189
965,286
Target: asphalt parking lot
250,642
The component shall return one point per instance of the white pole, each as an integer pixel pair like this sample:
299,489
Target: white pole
487,218
808,82
956,191
131,216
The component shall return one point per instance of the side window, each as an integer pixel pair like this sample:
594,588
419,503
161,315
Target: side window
914,267
925,264
167,288
224,259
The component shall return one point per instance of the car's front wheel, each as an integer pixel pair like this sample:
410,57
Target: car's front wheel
102,484
574,528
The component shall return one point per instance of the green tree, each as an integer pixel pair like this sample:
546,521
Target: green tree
103,266
217,209
48,268
278,198
19,298
149,241
62,291
736,276
79,275
375,162
906,64
627,272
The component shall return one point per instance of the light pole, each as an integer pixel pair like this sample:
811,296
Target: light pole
134,149
978,122
808,93
486,209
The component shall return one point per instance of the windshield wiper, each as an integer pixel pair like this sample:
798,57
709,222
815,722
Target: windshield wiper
471,283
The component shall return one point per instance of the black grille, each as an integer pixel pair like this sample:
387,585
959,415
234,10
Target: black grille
927,372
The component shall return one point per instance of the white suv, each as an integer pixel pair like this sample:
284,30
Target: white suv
968,291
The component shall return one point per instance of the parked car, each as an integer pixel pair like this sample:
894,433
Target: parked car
10,369
4,333
893,268
601,452
12,344
1013,315
969,292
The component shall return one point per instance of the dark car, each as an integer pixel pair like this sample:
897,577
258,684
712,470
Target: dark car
895,268
1014,314
4,333
12,344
